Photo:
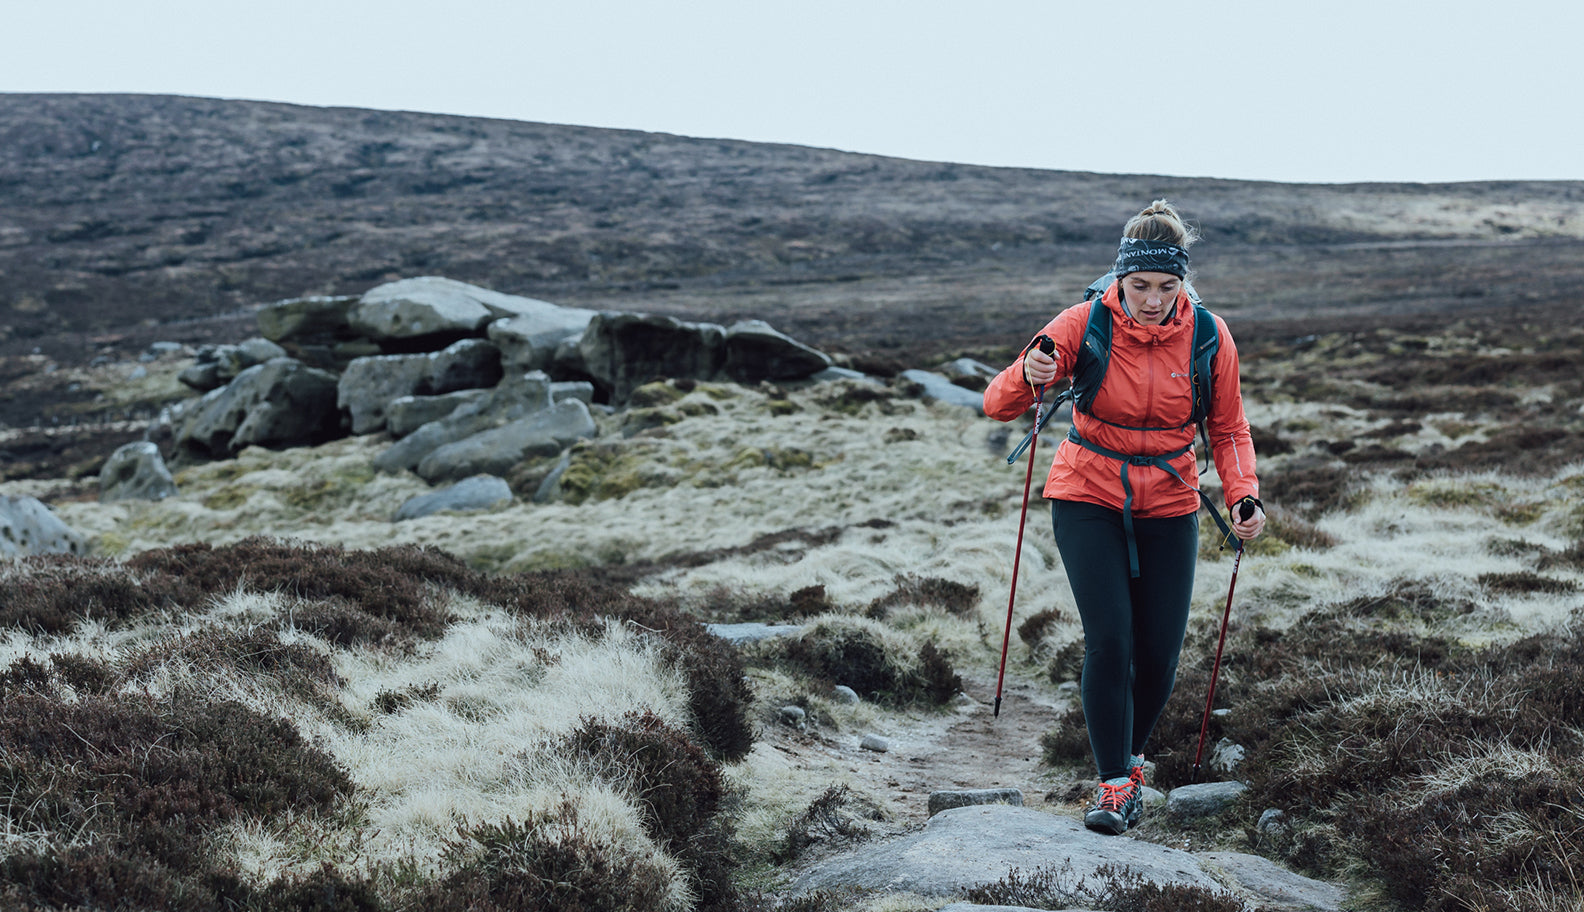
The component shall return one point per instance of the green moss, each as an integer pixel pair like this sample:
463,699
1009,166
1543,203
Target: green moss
601,472
1464,494
111,544
643,419
1520,514
212,473
782,459
327,493
654,394
698,408
782,407
229,497
1456,429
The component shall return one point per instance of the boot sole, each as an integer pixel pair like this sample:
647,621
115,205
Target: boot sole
1106,822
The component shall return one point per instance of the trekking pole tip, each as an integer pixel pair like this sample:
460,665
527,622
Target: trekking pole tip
996,712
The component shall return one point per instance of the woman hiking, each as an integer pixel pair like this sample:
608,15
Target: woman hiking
1123,486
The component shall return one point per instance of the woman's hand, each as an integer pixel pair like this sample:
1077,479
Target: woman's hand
1248,529
1038,367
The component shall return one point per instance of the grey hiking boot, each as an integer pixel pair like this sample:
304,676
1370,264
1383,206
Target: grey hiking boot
1118,805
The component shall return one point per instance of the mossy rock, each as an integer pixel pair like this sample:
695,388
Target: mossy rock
652,395
604,472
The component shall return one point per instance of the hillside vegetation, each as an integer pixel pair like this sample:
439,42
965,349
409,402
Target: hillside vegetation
263,693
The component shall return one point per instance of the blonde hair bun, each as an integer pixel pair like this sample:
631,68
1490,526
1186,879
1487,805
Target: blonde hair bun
1160,221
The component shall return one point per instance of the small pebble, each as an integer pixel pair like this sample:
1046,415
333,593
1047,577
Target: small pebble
841,693
875,743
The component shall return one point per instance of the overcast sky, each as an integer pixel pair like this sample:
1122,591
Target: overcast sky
1330,91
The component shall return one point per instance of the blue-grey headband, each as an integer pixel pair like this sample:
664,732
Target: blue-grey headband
1137,255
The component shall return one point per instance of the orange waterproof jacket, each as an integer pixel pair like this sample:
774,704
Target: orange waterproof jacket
1147,385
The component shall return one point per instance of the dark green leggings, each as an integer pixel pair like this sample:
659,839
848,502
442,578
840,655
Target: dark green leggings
1133,628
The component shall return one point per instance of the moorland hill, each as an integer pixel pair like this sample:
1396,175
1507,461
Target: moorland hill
126,210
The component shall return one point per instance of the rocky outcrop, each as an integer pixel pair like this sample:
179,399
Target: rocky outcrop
756,352
28,527
470,495
495,451
623,351
1206,799
513,398
418,308
406,414
136,471
282,402
529,341
955,798
318,318
1271,885
437,307
368,385
216,365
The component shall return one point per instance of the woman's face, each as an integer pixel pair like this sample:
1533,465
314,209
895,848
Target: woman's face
1150,295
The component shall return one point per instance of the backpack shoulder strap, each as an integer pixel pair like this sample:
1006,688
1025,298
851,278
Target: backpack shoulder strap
1206,342
1094,357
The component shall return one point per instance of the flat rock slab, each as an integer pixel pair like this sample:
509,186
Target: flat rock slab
1272,885
968,847
970,907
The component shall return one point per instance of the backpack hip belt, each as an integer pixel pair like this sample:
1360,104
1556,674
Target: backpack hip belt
1161,461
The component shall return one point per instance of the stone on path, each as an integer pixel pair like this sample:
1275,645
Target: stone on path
1205,799
749,632
967,847
955,798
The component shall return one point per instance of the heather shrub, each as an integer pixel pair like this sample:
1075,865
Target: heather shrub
873,660
51,594
679,787
1033,629
1112,889
952,597
549,862
323,890
217,653
392,583
143,782
836,816
104,875
1524,583
341,623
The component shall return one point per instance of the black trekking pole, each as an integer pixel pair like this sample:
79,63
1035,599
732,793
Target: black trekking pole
1047,346
1245,511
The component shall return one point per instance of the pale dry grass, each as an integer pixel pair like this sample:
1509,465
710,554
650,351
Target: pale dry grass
479,749
476,750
